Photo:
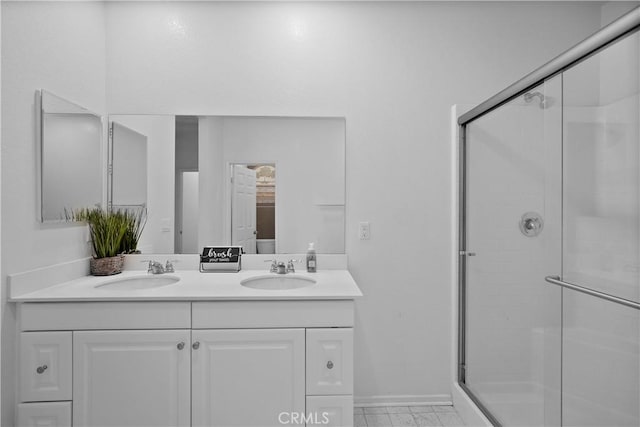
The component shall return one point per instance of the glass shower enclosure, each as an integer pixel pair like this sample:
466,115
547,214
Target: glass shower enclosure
549,250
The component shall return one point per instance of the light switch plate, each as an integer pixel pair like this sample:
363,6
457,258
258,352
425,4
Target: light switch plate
364,231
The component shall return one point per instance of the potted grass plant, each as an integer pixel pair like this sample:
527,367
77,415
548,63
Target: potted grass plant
113,234
136,220
107,230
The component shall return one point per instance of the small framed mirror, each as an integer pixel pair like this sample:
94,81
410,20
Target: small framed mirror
70,157
127,168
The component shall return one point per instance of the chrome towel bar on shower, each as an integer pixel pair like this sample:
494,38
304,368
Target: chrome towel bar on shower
556,281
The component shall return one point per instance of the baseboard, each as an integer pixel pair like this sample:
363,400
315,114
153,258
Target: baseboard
402,400
468,411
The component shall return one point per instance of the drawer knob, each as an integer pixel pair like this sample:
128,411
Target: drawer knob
196,345
180,345
41,369
330,364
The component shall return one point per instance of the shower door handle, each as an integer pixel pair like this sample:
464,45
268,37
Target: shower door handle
467,253
556,280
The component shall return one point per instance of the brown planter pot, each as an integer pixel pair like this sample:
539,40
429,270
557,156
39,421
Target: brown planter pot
106,266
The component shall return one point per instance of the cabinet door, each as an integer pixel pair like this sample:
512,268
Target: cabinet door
45,366
44,414
330,361
131,378
330,411
247,377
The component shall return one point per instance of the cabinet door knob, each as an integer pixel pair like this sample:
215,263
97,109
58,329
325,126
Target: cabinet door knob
196,345
41,369
330,364
180,345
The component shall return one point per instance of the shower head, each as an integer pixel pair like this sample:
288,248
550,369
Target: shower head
528,97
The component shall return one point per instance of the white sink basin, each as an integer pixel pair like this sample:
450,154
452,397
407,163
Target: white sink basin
138,282
275,282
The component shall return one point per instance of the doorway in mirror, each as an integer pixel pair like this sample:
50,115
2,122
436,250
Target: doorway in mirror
253,192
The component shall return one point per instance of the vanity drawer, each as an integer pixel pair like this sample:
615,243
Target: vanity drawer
50,414
45,366
79,316
330,361
272,314
331,411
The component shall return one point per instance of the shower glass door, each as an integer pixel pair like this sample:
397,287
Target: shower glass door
551,200
601,135
513,217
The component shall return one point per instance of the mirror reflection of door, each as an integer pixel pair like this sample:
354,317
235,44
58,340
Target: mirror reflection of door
243,208
253,208
265,208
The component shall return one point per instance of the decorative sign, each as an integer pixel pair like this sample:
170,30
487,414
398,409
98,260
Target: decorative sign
216,258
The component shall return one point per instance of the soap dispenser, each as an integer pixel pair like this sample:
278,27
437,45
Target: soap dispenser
311,259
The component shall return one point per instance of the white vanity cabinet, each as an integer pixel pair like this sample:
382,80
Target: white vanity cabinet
205,363
131,378
247,377
45,385
45,369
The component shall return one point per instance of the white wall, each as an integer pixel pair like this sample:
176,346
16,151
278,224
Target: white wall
59,47
393,70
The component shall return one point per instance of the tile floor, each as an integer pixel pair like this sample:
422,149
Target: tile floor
407,416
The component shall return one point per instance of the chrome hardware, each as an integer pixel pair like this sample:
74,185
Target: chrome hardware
290,267
531,224
556,280
154,267
41,369
169,268
274,265
195,345
279,267
180,345
463,253
330,364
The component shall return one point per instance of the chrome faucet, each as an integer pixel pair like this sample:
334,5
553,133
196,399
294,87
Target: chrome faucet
157,268
290,267
169,268
280,267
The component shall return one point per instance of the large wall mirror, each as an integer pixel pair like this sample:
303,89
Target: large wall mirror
70,157
270,184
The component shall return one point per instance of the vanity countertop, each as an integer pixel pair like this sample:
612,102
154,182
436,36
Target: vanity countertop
196,286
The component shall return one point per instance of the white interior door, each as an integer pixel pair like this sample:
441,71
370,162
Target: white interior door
189,213
243,208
